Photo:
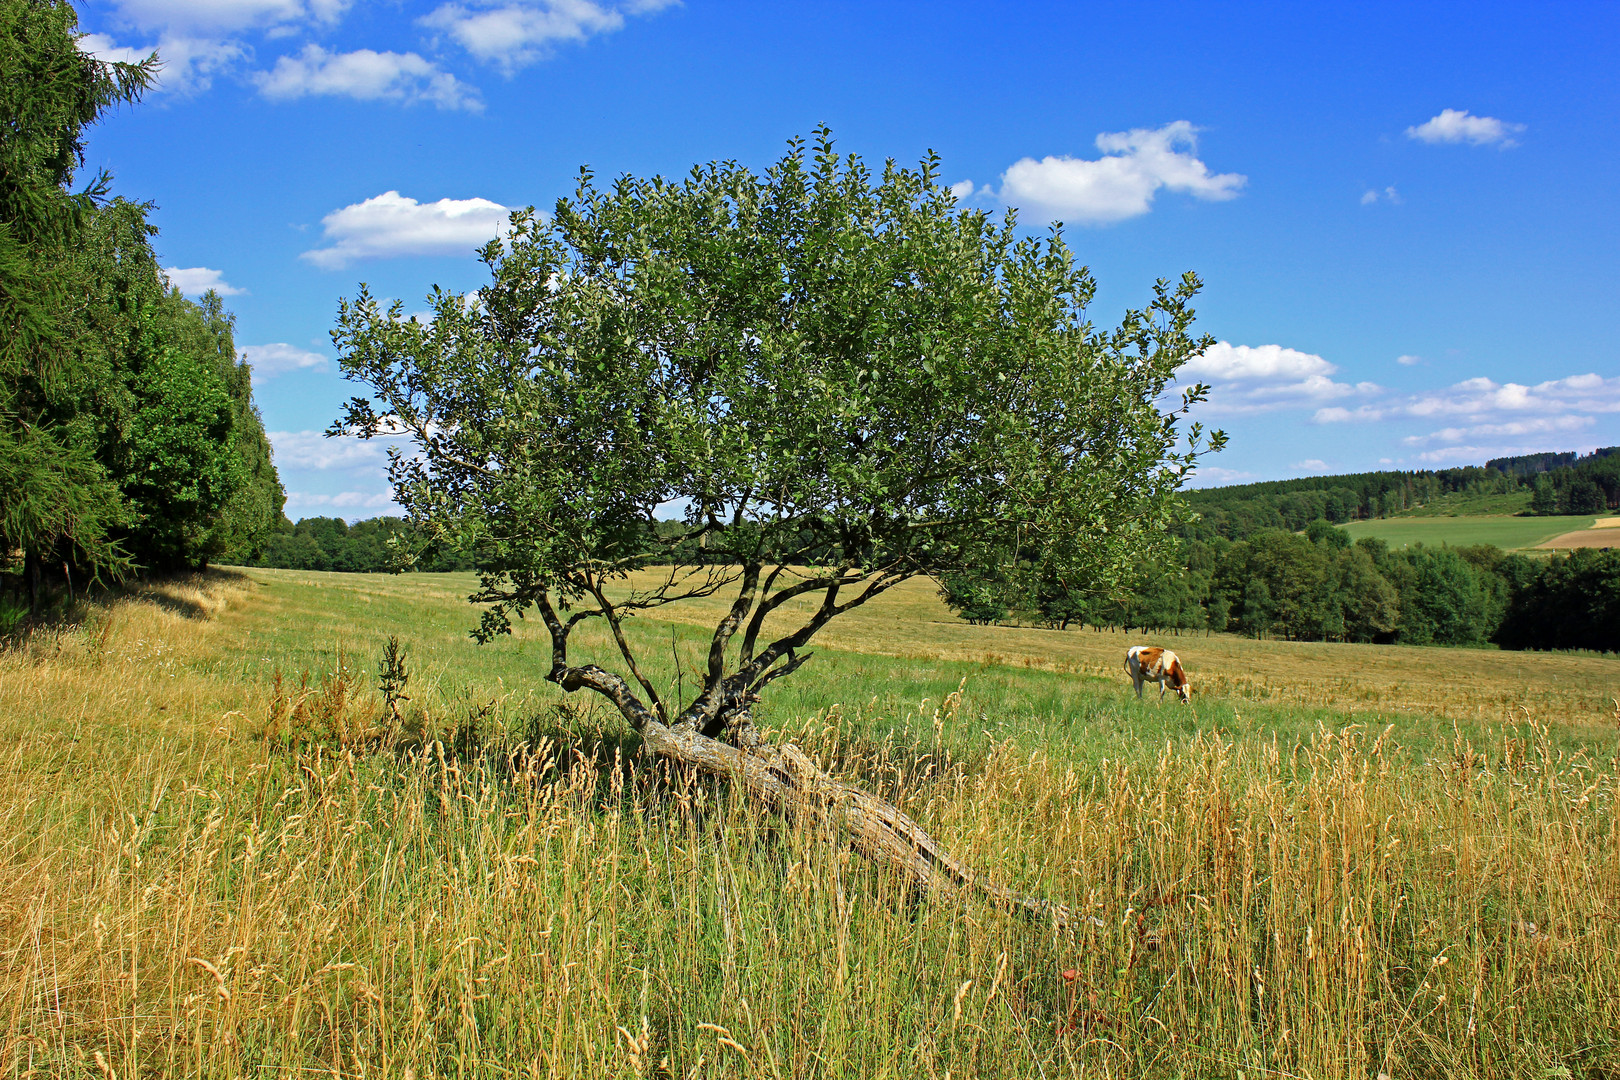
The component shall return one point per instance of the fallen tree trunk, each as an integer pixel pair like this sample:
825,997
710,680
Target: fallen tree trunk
788,782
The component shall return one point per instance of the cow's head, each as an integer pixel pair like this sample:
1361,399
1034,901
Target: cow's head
1178,682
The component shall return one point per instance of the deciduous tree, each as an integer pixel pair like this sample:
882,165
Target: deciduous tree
841,381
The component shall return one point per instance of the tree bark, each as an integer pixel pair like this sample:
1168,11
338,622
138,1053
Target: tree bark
789,783
784,779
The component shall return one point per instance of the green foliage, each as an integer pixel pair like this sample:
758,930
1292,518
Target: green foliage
829,369
1564,602
128,436
374,545
56,502
980,599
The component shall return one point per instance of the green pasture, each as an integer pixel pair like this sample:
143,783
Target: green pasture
1508,533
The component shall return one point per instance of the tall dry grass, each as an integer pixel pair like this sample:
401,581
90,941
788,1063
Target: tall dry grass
524,897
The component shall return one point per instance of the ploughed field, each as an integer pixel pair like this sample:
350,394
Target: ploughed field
224,856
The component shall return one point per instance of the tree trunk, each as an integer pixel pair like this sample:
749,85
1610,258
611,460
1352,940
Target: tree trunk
789,783
33,573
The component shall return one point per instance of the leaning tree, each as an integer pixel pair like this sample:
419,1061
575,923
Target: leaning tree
836,381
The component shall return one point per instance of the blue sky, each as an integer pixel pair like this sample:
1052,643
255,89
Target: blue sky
1404,214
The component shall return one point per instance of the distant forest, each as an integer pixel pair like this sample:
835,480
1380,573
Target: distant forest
1264,560
1267,560
1558,484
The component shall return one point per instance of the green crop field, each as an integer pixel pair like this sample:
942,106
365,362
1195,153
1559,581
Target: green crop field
1509,533
223,857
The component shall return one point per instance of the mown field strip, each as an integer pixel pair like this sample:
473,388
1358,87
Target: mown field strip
1507,533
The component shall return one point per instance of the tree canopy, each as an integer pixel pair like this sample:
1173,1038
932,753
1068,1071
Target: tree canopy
839,380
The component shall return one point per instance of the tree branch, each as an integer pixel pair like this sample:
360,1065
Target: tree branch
594,587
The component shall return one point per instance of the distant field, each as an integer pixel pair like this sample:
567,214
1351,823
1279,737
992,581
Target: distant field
1607,537
1509,533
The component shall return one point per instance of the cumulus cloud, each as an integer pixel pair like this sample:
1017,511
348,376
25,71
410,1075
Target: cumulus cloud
278,358
1389,195
343,500
1216,476
186,65
513,33
1122,183
390,225
1407,359
962,189
196,280
1482,407
1310,465
226,16
314,450
367,75
1460,126
1246,379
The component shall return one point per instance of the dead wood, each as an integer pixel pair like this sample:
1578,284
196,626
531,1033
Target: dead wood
784,779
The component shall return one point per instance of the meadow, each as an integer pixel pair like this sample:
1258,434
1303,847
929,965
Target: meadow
1508,533
224,856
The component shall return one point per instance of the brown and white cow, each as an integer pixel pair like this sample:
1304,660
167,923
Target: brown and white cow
1149,663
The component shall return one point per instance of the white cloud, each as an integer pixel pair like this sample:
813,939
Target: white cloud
514,33
1122,183
390,225
1458,126
369,500
1246,379
1407,359
196,280
1544,425
367,75
1368,198
962,189
105,49
1310,465
1389,195
1484,407
350,505
278,358
186,65
226,16
314,450
1215,476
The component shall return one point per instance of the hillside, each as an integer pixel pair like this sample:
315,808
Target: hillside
1551,495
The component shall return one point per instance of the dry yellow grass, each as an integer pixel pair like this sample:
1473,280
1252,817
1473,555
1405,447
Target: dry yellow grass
179,899
1607,537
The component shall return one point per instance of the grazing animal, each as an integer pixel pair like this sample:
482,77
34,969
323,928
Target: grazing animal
1148,663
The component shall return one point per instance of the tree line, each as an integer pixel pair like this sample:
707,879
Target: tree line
1584,485
375,545
1318,586
1558,484
129,441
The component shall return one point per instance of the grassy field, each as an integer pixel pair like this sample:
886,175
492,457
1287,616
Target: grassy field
1508,533
1340,861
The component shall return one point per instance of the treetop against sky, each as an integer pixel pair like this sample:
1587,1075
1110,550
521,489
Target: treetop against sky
1400,212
